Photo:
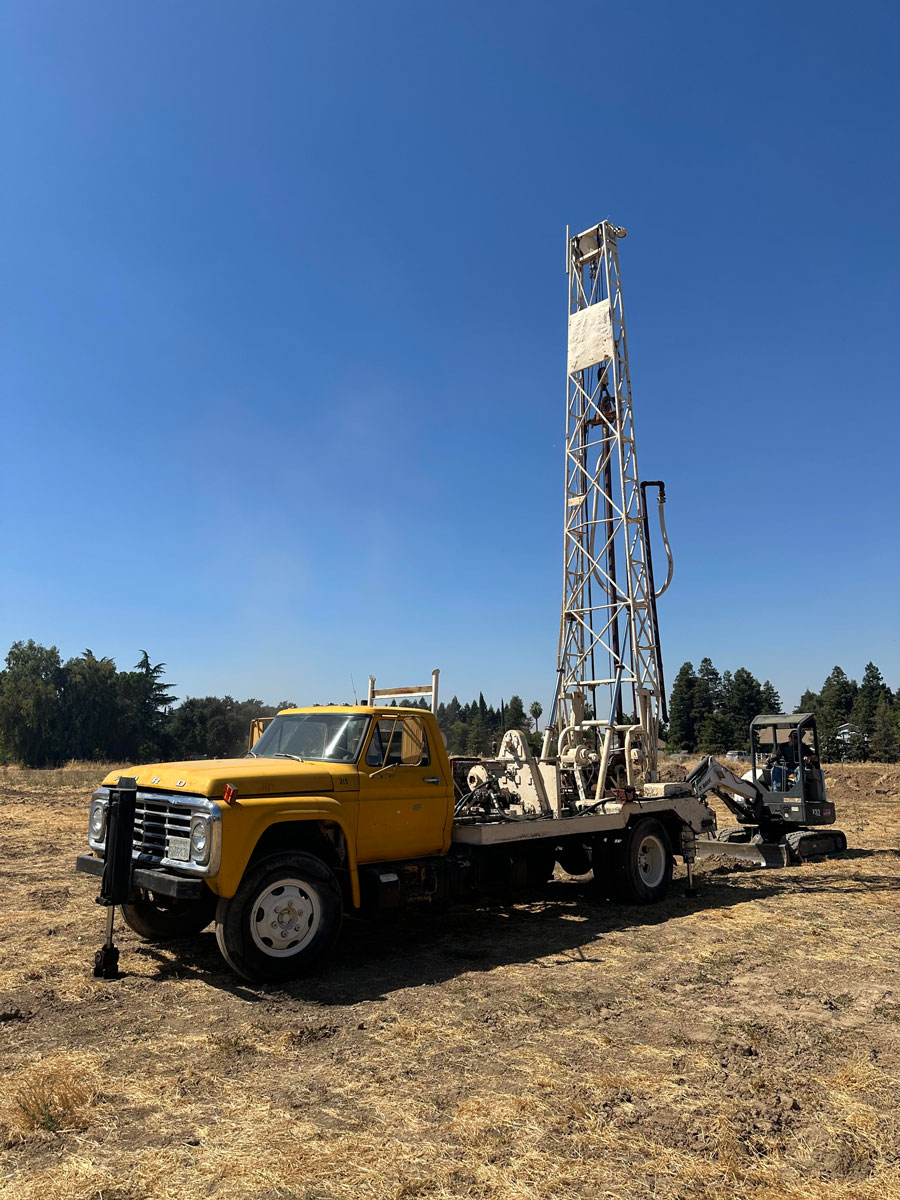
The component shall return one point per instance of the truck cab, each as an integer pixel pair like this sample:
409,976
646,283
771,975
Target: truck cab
273,845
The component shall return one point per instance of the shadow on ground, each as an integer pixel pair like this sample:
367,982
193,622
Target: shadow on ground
561,925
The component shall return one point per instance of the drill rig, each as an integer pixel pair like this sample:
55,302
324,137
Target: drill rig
601,743
609,634
600,748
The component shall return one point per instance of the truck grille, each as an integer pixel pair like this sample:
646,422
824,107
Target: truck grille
155,822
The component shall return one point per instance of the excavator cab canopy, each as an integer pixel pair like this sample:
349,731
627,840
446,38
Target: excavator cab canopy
784,720
788,744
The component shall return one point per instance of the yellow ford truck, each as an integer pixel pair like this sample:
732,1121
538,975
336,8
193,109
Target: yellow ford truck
358,809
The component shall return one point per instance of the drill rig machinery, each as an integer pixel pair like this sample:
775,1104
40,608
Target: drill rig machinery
609,653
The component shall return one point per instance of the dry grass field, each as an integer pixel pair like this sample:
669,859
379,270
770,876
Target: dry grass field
742,1045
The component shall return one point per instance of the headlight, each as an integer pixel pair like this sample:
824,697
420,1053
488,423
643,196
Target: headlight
200,839
97,824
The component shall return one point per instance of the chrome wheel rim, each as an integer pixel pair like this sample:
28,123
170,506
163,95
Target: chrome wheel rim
651,860
285,918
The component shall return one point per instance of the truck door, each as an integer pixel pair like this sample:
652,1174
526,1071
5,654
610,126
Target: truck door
403,796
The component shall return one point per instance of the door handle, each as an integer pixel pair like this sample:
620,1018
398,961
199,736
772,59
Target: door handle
433,779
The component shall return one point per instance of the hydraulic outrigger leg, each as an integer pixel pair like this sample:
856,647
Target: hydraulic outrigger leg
115,887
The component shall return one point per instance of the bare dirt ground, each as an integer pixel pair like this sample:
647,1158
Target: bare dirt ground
745,1045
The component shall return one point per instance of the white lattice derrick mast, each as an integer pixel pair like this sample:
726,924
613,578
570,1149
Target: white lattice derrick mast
609,647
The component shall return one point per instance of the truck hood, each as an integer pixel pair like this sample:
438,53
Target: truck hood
248,776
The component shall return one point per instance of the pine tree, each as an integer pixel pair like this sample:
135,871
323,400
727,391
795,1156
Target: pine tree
476,737
745,701
457,738
515,715
771,701
715,734
833,710
682,733
707,692
884,744
865,705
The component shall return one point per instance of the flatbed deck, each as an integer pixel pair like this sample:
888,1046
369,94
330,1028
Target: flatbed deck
611,816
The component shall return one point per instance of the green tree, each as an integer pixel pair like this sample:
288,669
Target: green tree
744,701
89,711
30,708
833,710
142,699
707,692
476,736
213,726
458,737
771,701
884,743
716,734
872,688
682,730
515,715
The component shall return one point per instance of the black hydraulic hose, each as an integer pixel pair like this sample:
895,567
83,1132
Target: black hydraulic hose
654,618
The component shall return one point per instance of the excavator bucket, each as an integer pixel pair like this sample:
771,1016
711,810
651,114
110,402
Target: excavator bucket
764,854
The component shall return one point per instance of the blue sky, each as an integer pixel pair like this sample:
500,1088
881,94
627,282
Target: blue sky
283,331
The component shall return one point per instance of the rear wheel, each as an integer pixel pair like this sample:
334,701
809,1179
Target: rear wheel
640,867
158,918
284,917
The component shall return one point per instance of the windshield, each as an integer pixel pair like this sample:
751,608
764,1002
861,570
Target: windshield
326,737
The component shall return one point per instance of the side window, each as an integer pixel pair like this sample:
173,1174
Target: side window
381,736
414,743
398,741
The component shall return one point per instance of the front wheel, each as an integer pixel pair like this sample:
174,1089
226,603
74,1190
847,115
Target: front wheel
158,918
283,918
640,866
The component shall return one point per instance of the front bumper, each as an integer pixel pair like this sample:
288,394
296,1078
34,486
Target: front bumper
149,879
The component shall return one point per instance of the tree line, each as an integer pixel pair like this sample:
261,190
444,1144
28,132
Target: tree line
711,712
477,727
86,708
52,711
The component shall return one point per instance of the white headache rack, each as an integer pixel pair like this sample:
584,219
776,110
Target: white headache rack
428,689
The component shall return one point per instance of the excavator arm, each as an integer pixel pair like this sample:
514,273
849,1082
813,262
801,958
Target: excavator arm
742,796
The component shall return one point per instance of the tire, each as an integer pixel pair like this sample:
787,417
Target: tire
157,918
292,897
641,864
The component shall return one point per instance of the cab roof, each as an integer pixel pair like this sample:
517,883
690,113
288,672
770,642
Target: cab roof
783,720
